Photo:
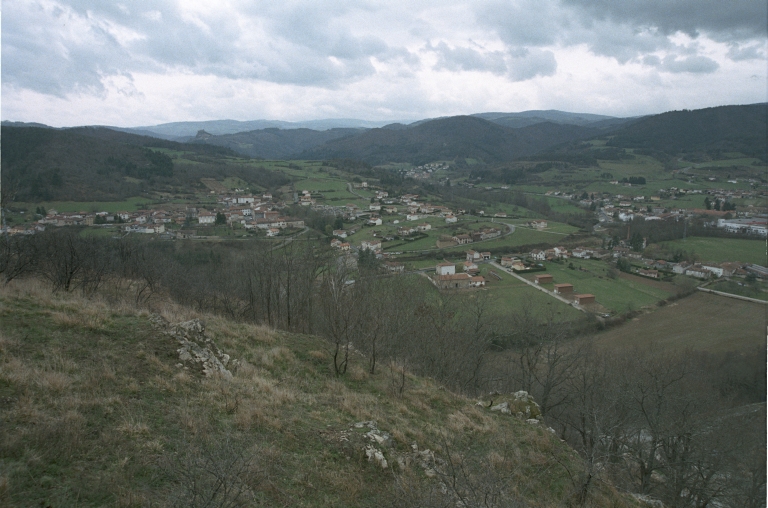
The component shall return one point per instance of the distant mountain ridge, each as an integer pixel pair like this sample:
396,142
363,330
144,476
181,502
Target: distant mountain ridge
448,138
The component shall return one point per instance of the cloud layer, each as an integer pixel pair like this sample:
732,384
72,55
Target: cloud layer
68,62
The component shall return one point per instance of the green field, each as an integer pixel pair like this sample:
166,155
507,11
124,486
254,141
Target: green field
621,294
700,322
128,205
757,290
510,295
718,250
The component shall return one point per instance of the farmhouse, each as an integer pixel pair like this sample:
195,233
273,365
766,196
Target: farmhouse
544,278
462,239
473,255
445,268
564,289
698,271
424,226
654,274
470,267
508,261
538,255
206,218
538,224
449,219
454,281
340,233
477,281
374,245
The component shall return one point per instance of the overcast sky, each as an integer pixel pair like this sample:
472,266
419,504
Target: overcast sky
144,62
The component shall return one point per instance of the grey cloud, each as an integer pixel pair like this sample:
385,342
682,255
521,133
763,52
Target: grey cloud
732,19
531,63
523,23
627,30
738,52
54,51
468,59
301,44
518,64
694,64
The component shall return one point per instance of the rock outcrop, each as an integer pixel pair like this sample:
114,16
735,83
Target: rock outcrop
196,346
519,404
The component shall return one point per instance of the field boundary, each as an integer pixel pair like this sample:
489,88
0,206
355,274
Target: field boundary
731,295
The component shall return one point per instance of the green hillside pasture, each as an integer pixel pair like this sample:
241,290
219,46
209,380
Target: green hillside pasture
641,165
754,289
624,293
510,295
128,205
521,236
700,322
718,250
725,163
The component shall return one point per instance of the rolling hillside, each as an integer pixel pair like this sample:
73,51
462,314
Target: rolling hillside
449,138
722,129
274,143
99,408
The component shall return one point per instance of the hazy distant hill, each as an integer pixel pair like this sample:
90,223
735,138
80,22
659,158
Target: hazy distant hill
448,138
275,143
180,131
533,117
725,128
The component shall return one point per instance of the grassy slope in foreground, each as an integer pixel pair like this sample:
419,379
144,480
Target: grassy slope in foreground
96,411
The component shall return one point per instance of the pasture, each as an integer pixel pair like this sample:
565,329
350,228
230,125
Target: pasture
718,250
702,321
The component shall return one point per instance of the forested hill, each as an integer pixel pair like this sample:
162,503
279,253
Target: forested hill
448,138
721,129
84,164
274,143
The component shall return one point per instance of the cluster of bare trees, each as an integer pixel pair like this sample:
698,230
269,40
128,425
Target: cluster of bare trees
677,426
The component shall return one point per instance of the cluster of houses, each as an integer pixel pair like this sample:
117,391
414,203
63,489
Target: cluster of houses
564,290
447,278
247,211
425,171
476,236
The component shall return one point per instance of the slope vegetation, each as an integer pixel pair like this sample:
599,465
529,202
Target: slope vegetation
447,139
99,408
726,128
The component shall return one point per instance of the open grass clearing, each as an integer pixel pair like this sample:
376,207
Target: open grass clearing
718,250
127,205
701,321
621,294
